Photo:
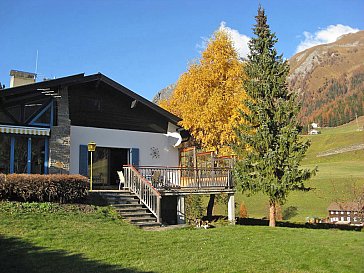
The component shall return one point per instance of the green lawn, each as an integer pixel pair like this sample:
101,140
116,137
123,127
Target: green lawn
46,238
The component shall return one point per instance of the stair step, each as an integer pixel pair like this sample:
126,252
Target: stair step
140,219
114,192
127,206
148,224
136,214
118,196
122,200
131,209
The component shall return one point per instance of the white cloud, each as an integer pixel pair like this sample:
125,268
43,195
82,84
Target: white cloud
240,41
323,36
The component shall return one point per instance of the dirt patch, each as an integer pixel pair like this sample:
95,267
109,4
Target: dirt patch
351,148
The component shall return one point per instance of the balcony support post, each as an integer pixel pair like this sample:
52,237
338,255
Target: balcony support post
231,208
181,213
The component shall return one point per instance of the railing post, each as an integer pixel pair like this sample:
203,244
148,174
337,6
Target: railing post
230,180
141,189
158,211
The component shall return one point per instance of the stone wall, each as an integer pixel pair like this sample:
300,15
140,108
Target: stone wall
59,142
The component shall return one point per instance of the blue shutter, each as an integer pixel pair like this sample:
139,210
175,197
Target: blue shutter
134,156
83,160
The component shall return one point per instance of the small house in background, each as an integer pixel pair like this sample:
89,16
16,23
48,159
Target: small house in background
313,129
314,125
346,213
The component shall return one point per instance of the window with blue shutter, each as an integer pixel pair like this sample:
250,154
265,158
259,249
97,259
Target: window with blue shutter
83,160
134,156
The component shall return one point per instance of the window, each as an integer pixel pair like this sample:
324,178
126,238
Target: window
4,153
21,154
24,148
38,148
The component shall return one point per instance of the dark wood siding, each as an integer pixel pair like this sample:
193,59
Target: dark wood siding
102,106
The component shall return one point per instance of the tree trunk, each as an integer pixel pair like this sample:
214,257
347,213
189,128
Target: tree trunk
272,214
210,206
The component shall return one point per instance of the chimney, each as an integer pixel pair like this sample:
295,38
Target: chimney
19,78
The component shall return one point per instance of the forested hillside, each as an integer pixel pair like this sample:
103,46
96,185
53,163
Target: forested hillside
330,81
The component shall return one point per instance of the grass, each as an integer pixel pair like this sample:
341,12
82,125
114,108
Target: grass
50,238
338,175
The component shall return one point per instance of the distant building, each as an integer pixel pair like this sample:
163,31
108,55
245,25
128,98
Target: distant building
314,132
346,212
314,125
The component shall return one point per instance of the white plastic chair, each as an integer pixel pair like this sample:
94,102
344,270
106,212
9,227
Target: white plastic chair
121,178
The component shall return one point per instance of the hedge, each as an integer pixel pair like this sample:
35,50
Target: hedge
43,188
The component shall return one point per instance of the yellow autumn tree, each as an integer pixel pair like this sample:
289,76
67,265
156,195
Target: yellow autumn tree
209,95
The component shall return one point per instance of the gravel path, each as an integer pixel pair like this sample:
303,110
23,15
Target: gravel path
351,148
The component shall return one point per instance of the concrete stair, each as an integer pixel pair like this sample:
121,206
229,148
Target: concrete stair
129,207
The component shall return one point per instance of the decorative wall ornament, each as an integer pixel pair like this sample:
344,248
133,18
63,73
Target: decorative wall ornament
154,152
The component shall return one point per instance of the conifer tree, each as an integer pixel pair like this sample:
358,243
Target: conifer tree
269,146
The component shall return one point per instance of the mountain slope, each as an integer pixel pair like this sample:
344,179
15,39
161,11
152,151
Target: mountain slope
164,94
330,80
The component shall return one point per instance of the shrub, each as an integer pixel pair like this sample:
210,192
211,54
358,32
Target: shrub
194,207
42,188
243,212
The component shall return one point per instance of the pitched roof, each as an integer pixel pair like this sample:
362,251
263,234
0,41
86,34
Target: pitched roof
18,93
345,206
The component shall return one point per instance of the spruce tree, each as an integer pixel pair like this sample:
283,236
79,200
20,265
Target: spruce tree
270,148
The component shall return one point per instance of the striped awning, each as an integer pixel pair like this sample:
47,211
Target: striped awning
11,129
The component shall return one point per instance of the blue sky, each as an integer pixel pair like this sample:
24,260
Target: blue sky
147,44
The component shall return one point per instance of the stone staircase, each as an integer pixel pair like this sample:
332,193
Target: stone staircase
129,208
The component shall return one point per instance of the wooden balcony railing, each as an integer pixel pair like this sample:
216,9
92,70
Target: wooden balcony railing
179,178
147,194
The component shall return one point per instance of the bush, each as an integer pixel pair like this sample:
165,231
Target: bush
243,212
194,207
42,188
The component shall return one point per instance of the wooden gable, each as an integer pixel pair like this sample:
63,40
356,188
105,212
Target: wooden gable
101,105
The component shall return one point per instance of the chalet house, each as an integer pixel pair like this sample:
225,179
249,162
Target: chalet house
346,212
45,128
314,129
314,125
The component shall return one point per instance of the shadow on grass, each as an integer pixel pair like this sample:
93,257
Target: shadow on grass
17,256
263,222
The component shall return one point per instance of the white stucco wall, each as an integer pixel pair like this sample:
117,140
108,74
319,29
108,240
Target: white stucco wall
168,155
